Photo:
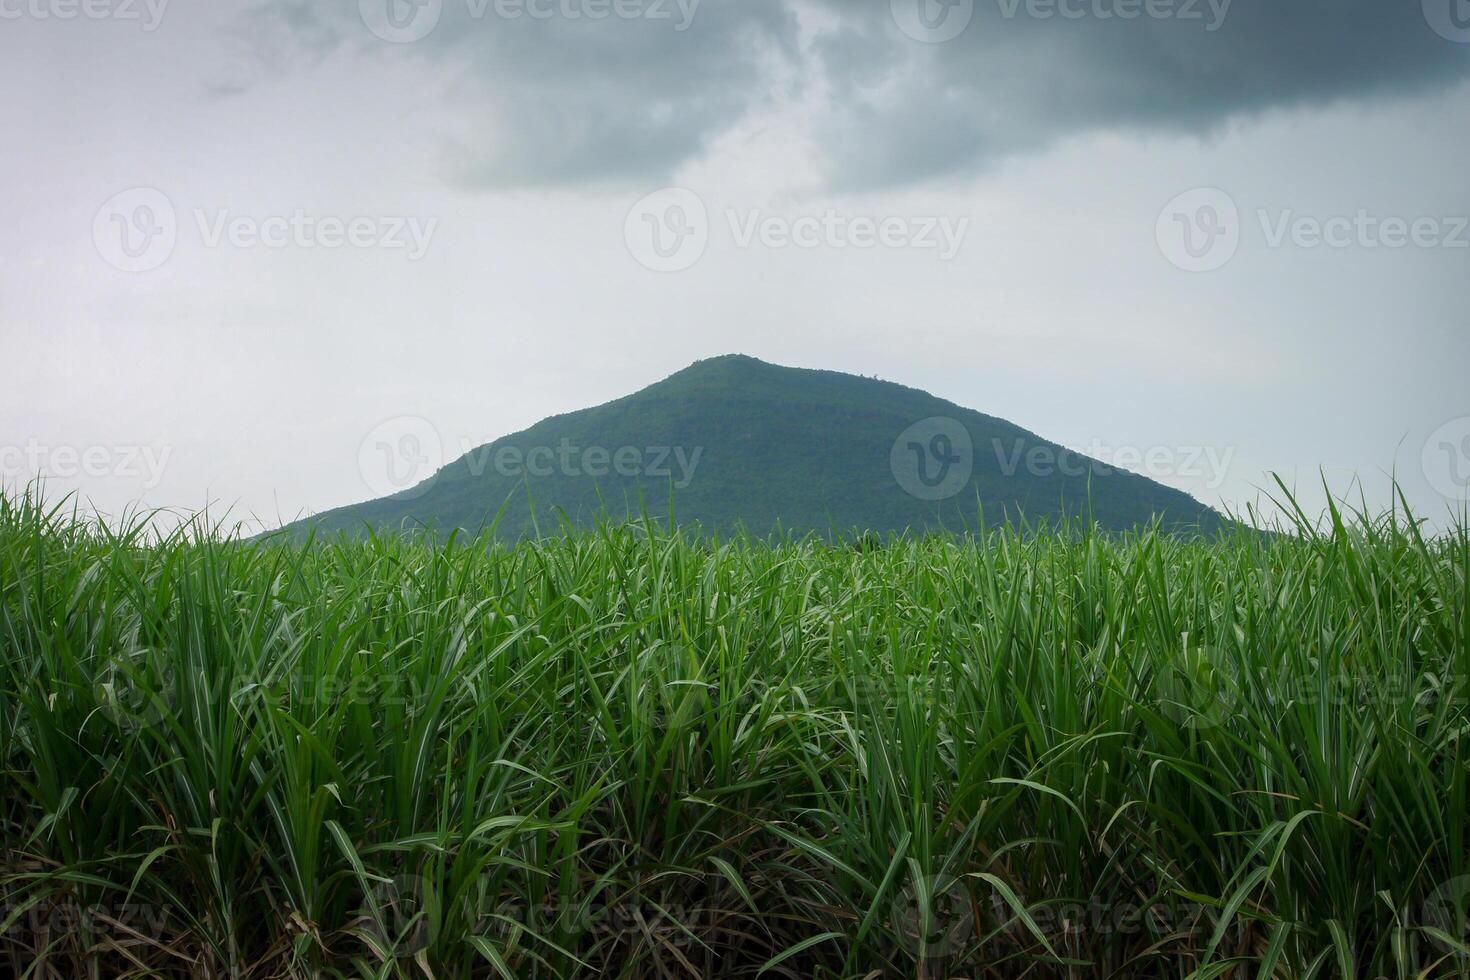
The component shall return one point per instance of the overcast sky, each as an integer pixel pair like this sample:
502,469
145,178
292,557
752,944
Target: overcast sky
1210,240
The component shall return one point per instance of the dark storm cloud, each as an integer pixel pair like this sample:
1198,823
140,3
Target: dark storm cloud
565,97
552,92
578,100
1021,74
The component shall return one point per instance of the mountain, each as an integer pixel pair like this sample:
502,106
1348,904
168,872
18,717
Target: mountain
743,443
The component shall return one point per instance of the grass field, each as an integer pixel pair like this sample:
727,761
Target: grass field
644,754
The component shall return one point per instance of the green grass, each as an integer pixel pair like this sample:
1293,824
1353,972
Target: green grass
646,754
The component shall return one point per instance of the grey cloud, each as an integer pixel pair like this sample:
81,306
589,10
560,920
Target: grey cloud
554,100
558,100
269,40
569,101
1013,81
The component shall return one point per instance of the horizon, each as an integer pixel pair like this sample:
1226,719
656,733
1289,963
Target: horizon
1228,240
1277,509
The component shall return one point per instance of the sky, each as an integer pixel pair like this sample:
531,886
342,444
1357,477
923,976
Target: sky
1211,241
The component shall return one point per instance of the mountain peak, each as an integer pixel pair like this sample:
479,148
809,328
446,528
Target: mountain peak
725,364
737,442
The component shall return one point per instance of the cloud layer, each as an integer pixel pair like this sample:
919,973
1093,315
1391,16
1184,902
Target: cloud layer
540,93
1023,73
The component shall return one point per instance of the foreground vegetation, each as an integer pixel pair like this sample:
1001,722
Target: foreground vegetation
642,754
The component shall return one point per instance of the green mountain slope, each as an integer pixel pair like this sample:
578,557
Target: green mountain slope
744,443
